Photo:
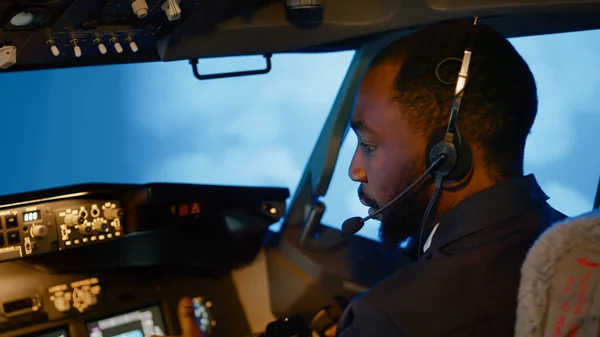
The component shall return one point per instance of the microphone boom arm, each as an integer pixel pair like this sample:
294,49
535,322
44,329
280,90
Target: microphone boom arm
353,225
429,169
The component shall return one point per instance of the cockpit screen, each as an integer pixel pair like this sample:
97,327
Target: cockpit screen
140,323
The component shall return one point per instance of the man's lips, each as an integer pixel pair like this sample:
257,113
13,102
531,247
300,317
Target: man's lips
366,202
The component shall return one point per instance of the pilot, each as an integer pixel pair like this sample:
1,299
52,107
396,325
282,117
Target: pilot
486,213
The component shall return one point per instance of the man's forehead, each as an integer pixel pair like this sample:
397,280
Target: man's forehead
373,100
366,115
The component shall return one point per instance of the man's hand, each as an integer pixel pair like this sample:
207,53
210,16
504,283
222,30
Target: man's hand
187,321
330,332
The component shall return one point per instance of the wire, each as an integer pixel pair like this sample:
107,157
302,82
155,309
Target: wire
436,193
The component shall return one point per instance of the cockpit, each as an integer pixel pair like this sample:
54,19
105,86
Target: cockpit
156,149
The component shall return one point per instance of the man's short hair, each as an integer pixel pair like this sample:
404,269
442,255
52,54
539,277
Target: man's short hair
500,101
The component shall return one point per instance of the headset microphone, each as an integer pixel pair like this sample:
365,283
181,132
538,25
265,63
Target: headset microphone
353,225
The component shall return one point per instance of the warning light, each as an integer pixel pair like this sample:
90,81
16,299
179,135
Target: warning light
184,210
195,208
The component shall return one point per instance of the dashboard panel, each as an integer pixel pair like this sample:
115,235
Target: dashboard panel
126,304
114,259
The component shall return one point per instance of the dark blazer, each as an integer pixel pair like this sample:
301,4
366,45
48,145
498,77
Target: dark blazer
466,283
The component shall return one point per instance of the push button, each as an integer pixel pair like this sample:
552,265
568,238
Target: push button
11,222
13,238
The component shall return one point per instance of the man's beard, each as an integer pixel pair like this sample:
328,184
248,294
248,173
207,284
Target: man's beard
404,217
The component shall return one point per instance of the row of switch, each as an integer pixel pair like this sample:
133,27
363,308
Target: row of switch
100,237
101,47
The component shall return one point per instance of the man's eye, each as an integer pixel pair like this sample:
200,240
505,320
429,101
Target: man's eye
368,147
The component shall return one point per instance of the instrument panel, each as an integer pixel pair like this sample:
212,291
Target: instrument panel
113,259
34,224
57,225
39,34
48,34
71,30
126,304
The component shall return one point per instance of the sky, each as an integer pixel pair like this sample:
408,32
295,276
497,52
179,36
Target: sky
156,123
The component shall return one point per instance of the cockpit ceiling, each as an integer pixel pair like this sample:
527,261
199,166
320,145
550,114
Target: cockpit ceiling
67,33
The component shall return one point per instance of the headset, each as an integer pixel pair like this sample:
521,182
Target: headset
456,152
458,156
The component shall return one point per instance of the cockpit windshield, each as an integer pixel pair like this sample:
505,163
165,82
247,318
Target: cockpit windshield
155,122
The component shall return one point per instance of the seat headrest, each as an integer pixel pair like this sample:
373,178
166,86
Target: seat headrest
559,294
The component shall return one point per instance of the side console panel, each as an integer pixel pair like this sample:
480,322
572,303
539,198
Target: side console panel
34,302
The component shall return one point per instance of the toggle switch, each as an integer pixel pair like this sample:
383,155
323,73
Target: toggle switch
132,45
117,45
54,50
101,46
53,47
76,48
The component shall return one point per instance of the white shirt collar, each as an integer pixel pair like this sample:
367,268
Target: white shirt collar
428,242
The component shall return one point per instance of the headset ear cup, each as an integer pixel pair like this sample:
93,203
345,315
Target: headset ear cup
464,163
447,149
459,160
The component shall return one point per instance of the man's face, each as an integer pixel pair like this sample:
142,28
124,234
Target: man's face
389,157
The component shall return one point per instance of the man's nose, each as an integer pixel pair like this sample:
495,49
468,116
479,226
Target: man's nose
357,174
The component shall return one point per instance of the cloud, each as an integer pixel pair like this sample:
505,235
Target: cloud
177,98
253,127
252,130
554,112
271,166
544,146
566,88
